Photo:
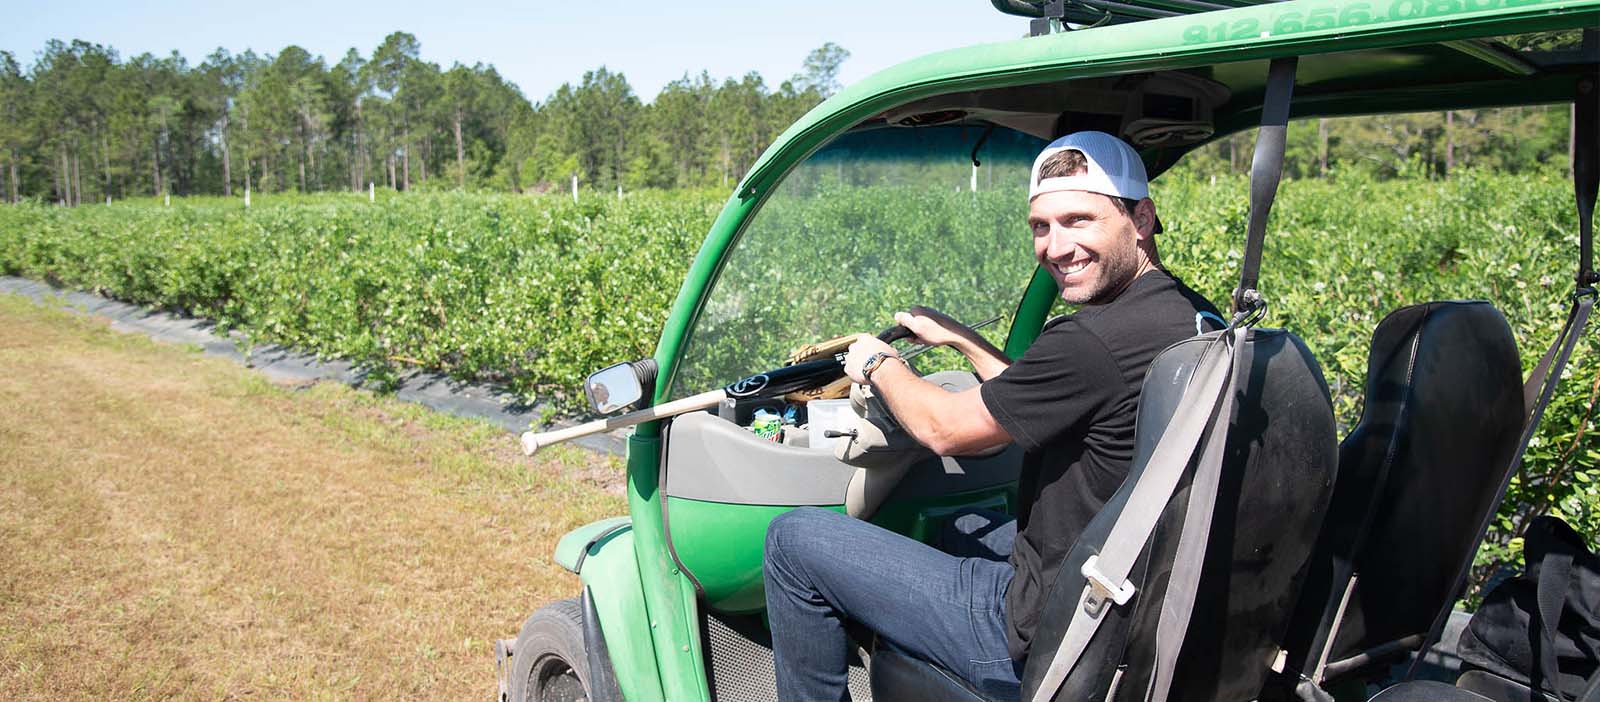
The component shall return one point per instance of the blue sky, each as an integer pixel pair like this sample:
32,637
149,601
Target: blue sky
538,45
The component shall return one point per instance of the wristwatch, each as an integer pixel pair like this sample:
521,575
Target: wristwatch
875,360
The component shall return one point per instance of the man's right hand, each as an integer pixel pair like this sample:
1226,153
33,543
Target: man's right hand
932,327
936,328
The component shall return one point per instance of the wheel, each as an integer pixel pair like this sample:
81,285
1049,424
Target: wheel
549,663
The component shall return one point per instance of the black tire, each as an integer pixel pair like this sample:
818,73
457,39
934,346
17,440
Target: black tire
549,663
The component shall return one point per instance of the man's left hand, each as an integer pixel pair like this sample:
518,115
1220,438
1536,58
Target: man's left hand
863,348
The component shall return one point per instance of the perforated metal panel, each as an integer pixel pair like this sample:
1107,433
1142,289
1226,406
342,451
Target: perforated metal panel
741,663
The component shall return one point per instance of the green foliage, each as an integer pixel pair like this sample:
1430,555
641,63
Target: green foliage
821,69
81,125
1342,253
537,291
1424,144
531,291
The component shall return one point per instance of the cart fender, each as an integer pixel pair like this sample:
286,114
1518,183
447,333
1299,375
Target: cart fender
601,554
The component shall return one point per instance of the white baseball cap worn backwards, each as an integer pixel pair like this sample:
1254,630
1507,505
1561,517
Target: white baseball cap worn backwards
1114,168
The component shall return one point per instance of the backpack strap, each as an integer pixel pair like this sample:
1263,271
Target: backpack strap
1555,580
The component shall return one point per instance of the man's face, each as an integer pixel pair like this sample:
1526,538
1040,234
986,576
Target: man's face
1089,246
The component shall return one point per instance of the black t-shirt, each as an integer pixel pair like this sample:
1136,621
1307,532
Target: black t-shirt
1071,403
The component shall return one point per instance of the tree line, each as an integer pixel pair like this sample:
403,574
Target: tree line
81,124
1417,145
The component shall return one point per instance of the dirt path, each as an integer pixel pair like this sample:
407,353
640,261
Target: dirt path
172,526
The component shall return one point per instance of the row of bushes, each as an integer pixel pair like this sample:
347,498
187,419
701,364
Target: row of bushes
535,292
531,292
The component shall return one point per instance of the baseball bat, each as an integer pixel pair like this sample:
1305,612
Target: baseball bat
773,383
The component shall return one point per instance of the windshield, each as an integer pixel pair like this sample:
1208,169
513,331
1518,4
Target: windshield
877,221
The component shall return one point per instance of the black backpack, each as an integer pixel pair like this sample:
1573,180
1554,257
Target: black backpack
1541,629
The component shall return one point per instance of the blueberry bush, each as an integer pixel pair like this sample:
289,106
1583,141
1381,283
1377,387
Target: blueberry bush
534,292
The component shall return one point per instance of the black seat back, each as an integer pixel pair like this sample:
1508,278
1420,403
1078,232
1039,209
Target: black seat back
1277,476
1443,413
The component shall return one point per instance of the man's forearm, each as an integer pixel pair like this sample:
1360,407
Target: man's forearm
950,423
987,361
934,327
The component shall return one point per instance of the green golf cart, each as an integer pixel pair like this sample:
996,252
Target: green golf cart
909,188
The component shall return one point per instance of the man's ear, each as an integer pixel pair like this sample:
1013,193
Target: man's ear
1144,218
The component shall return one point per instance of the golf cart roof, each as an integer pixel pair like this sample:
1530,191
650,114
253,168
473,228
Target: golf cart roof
1358,57
1102,12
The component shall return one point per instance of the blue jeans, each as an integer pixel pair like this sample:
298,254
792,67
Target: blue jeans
823,567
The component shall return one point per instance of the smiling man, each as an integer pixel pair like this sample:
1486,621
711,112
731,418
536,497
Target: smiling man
1070,403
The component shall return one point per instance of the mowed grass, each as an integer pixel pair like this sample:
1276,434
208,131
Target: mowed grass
175,527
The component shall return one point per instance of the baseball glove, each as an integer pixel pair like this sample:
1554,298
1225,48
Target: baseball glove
810,352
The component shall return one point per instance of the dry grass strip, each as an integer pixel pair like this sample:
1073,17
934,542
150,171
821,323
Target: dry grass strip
175,527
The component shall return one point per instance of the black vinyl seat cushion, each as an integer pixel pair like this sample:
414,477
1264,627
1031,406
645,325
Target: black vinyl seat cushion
1277,476
1500,689
1427,691
897,675
1443,412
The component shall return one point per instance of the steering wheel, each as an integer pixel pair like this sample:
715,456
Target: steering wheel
894,333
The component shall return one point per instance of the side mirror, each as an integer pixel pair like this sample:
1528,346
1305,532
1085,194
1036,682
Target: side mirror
620,386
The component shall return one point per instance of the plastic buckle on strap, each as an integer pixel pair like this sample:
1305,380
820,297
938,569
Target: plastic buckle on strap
1101,588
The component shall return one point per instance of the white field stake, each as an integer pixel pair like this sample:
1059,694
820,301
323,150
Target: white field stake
532,442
